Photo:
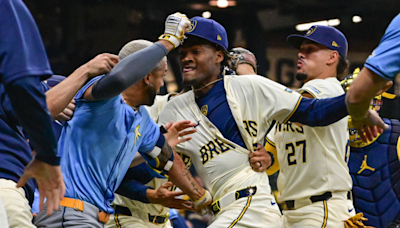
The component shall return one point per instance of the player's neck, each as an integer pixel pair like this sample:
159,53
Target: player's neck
132,97
204,87
324,75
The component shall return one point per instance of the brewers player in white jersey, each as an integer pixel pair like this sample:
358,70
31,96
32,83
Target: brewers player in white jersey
233,114
314,179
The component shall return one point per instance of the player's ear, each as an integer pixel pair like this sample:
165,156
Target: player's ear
147,79
219,56
333,57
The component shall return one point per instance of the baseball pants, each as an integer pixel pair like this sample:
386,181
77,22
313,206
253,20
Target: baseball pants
121,221
15,204
69,217
253,211
325,214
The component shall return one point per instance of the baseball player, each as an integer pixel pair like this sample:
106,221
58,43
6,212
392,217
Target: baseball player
23,63
314,179
380,67
373,166
108,127
232,115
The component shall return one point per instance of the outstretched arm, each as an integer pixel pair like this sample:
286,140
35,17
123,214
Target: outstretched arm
322,112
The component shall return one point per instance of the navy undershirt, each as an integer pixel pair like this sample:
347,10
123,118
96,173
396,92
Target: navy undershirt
220,114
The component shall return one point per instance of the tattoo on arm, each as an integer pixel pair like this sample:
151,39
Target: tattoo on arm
187,174
166,153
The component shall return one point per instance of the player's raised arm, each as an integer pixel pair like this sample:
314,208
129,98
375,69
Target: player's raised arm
58,97
136,66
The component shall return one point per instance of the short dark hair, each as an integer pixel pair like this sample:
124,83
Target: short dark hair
342,65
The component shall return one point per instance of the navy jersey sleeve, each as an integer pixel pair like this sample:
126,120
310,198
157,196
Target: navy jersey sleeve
320,112
21,49
133,185
385,59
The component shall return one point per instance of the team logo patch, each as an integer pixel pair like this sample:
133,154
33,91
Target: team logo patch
314,89
288,90
311,30
193,24
334,44
219,38
204,110
137,134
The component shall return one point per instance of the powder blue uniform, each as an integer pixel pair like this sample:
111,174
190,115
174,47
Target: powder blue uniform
374,169
98,145
385,59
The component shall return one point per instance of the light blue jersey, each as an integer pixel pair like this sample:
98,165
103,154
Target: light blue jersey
385,59
98,145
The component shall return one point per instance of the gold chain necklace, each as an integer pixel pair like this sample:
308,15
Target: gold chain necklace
208,84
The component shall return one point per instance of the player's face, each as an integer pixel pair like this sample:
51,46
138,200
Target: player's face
156,80
312,60
199,63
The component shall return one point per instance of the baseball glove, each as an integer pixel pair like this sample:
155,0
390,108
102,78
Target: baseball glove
241,55
356,221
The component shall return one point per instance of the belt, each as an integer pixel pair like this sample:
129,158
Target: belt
156,219
217,205
293,204
78,205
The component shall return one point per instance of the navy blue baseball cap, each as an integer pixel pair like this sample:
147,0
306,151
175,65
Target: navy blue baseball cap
208,29
54,80
328,36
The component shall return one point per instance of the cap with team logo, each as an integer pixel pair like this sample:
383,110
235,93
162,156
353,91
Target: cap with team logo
208,29
328,36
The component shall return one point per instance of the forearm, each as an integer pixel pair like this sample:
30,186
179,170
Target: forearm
130,70
365,86
182,178
29,104
58,97
134,190
320,112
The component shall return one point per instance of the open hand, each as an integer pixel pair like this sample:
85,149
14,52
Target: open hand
177,130
50,183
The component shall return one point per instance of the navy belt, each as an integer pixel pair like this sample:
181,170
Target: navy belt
152,218
317,198
122,210
215,207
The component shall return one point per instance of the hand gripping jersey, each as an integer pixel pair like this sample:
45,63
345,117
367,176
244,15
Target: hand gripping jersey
312,159
375,170
223,165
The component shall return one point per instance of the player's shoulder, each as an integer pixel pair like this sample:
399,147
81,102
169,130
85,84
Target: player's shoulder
322,88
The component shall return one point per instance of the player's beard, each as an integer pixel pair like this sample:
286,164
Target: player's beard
301,76
151,95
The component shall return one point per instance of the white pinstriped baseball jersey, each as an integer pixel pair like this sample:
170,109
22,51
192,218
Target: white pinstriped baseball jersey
312,159
223,165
